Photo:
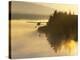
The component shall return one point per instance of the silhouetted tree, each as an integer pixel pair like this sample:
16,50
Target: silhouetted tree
60,28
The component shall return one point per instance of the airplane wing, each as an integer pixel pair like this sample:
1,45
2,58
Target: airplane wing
36,22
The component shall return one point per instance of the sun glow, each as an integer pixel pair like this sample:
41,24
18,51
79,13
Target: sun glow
69,47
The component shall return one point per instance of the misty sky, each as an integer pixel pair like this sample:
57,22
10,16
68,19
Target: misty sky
62,7
41,8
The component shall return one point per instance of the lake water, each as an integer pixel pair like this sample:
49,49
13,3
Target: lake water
26,42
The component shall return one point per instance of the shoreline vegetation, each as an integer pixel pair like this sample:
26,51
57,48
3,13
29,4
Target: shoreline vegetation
60,28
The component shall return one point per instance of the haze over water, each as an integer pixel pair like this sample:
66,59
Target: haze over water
27,42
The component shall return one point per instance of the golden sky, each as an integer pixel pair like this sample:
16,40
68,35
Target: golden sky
42,8
73,8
